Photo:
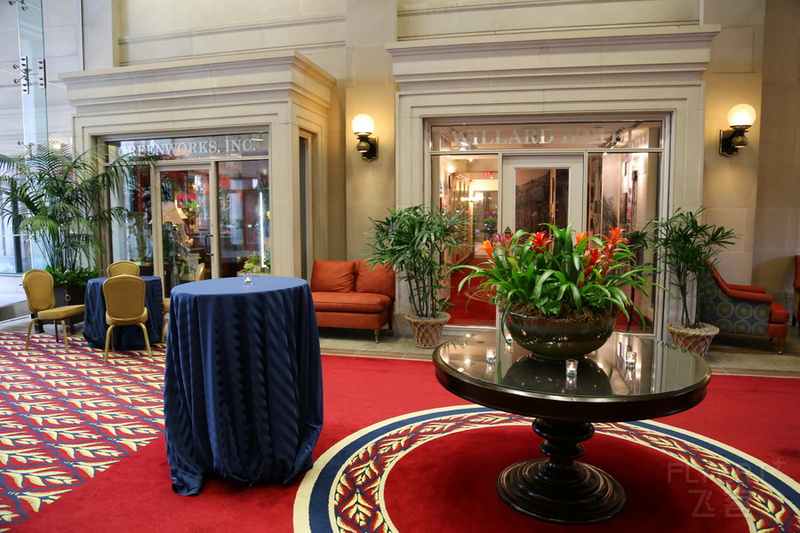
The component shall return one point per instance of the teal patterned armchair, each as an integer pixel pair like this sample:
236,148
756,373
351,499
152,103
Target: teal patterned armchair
742,310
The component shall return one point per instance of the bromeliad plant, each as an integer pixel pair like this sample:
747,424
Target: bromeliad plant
560,274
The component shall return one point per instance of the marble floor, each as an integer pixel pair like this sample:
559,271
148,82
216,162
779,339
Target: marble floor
734,356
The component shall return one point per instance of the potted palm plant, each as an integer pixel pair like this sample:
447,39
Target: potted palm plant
416,242
560,291
60,201
688,247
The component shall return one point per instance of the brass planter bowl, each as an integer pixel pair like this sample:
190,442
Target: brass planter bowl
559,338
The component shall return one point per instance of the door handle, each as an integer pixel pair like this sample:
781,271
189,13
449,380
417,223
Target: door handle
207,244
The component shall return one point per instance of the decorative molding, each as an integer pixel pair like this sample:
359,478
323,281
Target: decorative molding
236,78
234,28
468,18
654,55
481,5
301,27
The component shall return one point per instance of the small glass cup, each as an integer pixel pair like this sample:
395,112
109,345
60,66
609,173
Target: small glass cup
248,278
491,355
572,367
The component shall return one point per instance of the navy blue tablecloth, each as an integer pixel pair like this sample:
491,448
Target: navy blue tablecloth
125,337
243,381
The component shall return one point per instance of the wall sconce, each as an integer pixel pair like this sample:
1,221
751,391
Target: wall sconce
740,118
363,125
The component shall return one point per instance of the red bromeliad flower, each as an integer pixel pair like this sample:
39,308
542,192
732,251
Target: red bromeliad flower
541,239
594,256
610,246
501,239
614,236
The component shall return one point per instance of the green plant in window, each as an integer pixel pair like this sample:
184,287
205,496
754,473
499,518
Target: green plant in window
61,201
256,263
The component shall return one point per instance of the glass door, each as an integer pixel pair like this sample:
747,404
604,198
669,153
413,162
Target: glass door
546,189
244,218
186,223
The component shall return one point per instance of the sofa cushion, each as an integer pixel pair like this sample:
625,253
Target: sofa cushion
778,331
332,276
332,319
378,280
353,302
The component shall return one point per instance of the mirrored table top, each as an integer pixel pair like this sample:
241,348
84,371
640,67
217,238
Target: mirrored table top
630,377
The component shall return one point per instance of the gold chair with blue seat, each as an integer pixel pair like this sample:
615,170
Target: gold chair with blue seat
125,306
38,286
122,267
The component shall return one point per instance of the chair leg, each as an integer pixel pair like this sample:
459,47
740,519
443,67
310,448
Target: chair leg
781,345
108,341
377,336
28,338
164,328
146,339
63,332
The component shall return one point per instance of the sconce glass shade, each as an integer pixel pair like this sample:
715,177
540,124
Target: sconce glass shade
363,124
741,115
740,118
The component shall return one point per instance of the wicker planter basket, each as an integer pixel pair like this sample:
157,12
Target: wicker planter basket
697,340
427,331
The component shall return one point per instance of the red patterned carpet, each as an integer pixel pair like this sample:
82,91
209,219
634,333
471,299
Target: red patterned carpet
397,453
65,416
468,307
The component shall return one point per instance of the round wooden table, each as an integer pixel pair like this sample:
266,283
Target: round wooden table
632,377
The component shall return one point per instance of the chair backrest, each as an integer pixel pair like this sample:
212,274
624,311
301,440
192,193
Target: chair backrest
38,285
122,267
124,296
200,273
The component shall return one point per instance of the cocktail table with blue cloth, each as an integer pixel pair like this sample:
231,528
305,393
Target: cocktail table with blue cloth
125,337
243,381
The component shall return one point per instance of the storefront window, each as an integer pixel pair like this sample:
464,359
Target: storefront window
520,176
214,207
244,215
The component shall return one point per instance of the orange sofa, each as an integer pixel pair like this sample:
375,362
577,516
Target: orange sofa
350,294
